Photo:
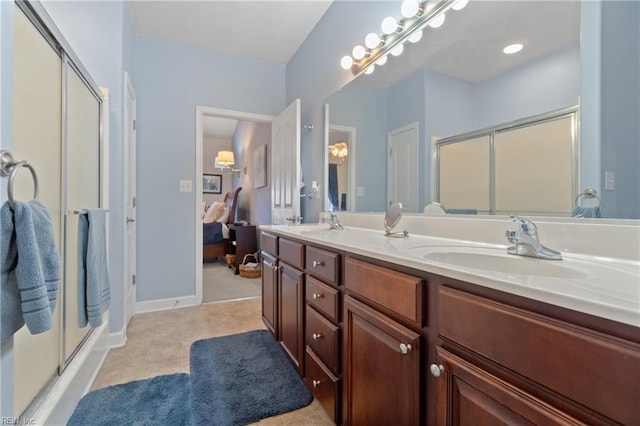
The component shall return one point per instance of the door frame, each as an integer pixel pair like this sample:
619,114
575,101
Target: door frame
351,163
415,125
129,294
201,112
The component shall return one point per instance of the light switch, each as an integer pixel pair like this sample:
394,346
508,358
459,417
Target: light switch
360,191
609,181
185,186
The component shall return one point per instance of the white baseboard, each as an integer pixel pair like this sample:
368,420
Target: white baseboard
118,339
165,304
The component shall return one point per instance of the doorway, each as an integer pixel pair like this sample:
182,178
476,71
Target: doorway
217,272
402,175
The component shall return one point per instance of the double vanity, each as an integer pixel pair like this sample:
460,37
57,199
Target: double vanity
433,330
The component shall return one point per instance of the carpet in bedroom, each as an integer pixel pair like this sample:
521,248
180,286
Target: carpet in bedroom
220,284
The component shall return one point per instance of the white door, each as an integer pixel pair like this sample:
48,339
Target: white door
130,202
402,180
286,175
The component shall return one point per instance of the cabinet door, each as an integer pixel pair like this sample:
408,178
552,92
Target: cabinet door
291,311
381,369
270,294
468,395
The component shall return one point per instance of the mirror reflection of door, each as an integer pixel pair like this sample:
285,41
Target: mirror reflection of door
340,168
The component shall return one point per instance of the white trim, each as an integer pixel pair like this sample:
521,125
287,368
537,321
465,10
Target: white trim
60,401
353,146
165,304
118,339
128,90
415,125
201,112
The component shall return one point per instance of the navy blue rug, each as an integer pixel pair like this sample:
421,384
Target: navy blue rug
162,400
243,378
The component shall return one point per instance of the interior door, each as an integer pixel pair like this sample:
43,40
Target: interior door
286,175
130,202
402,167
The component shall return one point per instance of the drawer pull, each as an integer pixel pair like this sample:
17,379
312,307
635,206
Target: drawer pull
317,263
436,370
315,383
317,336
405,349
317,296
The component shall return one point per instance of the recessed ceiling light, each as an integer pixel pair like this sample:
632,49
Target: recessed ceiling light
512,48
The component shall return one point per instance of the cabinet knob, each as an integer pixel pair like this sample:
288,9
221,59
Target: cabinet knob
436,370
317,263
315,383
317,296
317,336
405,349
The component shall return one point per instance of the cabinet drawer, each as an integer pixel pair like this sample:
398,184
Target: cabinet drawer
291,252
587,367
324,338
396,291
269,243
324,385
324,298
323,264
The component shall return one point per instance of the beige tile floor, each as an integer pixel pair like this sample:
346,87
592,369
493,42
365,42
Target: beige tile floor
158,343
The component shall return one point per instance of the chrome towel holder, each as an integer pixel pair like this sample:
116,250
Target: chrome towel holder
9,167
588,193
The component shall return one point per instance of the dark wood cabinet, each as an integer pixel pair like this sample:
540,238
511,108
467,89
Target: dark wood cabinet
381,369
291,313
270,293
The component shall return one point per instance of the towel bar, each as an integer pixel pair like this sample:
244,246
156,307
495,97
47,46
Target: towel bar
9,167
588,193
70,212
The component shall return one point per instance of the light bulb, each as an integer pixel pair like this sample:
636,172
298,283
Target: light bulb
358,52
512,48
409,8
397,51
437,21
372,40
389,25
382,60
370,69
346,62
459,5
415,37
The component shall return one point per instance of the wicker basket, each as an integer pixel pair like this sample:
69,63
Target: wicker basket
230,258
248,272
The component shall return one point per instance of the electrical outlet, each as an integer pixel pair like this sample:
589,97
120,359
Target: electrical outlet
360,191
185,186
609,181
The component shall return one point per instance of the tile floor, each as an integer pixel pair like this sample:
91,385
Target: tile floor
158,343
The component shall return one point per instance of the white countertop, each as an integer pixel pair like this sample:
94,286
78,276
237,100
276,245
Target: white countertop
603,287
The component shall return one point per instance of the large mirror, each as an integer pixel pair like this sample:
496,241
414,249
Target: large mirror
457,81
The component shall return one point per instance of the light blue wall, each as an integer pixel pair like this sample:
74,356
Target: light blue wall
170,80
621,107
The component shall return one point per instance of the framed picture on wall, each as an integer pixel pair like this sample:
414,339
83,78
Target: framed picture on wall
260,166
212,184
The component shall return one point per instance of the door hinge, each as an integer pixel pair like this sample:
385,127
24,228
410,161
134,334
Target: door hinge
133,201
133,279
133,123
390,152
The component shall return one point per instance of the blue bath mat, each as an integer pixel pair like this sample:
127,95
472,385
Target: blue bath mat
162,400
243,378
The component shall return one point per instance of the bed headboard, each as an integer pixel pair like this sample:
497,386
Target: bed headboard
230,199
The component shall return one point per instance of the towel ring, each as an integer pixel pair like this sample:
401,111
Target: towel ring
588,193
9,167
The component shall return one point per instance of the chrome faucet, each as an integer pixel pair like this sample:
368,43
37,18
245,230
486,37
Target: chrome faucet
295,220
334,223
526,242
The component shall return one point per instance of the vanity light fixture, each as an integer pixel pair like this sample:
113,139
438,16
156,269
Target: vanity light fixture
225,161
370,69
460,4
396,33
512,48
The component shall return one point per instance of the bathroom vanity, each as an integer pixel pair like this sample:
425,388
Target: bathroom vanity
433,331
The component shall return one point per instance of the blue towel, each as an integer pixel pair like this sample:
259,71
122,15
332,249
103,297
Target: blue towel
586,212
30,268
94,293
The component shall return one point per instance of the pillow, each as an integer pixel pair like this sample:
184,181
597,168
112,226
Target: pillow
225,215
214,212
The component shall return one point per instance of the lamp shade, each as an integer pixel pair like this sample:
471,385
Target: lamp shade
225,158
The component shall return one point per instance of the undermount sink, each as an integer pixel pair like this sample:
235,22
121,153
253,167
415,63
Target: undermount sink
498,261
308,227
